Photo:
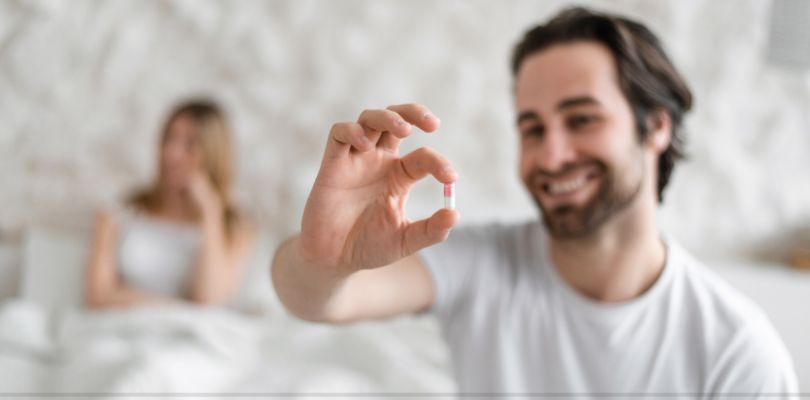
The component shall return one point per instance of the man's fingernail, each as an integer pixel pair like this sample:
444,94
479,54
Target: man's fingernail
401,122
431,117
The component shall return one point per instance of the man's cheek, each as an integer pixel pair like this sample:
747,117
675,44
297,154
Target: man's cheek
524,168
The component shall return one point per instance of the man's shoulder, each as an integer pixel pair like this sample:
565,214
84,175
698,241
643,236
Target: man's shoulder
739,338
478,263
717,299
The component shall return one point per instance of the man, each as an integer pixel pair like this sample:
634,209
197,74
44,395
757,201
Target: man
593,300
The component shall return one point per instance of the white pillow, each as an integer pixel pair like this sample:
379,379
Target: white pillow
256,294
25,326
9,269
53,267
54,263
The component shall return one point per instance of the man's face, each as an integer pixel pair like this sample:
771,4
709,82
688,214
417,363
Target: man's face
580,155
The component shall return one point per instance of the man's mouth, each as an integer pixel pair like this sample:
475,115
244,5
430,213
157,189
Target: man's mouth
564,187
560,187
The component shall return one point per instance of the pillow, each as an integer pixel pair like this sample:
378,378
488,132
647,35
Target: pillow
54,263
256,294
9,269
25,326
53,268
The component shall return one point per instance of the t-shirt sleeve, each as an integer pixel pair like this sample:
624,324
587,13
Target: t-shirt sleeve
458,264
756,365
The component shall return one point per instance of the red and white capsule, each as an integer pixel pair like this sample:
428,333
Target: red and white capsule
450,196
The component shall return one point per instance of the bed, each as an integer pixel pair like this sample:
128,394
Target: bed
50,344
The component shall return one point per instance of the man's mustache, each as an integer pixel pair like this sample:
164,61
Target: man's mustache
539,173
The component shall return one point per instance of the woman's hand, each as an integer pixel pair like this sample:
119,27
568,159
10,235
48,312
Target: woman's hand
204,196
223,249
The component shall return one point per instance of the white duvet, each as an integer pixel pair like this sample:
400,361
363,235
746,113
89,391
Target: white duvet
185,349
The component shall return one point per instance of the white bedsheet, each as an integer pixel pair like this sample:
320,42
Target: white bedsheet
186,349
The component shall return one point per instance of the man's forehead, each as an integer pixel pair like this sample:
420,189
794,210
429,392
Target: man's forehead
566,71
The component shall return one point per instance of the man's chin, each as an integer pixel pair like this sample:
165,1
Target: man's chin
561,212
566,222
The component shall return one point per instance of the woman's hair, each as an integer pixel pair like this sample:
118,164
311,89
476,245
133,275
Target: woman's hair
647,77
213,138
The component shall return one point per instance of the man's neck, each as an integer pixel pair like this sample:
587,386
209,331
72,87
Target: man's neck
617,263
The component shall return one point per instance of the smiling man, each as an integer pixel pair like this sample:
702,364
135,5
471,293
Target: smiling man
593,300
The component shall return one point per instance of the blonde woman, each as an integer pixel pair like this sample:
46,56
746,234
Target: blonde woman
180,238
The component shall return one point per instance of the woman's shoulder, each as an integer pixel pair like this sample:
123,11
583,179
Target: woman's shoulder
117,214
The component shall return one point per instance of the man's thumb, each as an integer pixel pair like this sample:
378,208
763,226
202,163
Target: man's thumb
429,231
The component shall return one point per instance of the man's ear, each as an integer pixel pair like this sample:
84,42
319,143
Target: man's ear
660,130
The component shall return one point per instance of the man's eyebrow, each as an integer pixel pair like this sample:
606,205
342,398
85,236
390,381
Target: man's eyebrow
577,101
526,116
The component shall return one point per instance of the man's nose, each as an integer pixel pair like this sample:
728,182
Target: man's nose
556,151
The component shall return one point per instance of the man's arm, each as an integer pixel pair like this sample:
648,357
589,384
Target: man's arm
316,294
355,256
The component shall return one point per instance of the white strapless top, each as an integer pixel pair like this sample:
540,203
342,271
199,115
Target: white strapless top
157,256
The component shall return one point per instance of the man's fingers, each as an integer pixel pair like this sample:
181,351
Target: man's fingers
429,231
389,142
385,128
385,121
418,115
423,161
345,135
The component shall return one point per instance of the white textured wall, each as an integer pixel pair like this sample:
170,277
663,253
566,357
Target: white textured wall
84,85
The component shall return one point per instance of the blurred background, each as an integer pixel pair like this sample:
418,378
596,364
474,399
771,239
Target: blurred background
85,86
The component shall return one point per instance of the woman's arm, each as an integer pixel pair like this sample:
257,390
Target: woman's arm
103,287
220,266
219,269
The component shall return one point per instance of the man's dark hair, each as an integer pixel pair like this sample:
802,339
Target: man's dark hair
647,77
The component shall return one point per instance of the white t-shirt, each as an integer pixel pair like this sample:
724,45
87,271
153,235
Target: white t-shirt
514,326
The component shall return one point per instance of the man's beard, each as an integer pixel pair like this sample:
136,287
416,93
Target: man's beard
568,221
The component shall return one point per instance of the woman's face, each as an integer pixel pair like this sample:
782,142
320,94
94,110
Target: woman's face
180,154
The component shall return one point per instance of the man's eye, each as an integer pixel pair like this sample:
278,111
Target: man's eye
534,130
581,121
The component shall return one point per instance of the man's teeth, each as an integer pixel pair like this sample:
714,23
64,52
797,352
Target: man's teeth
567,186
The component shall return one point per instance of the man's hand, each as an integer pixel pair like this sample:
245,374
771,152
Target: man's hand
355,215
355,220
